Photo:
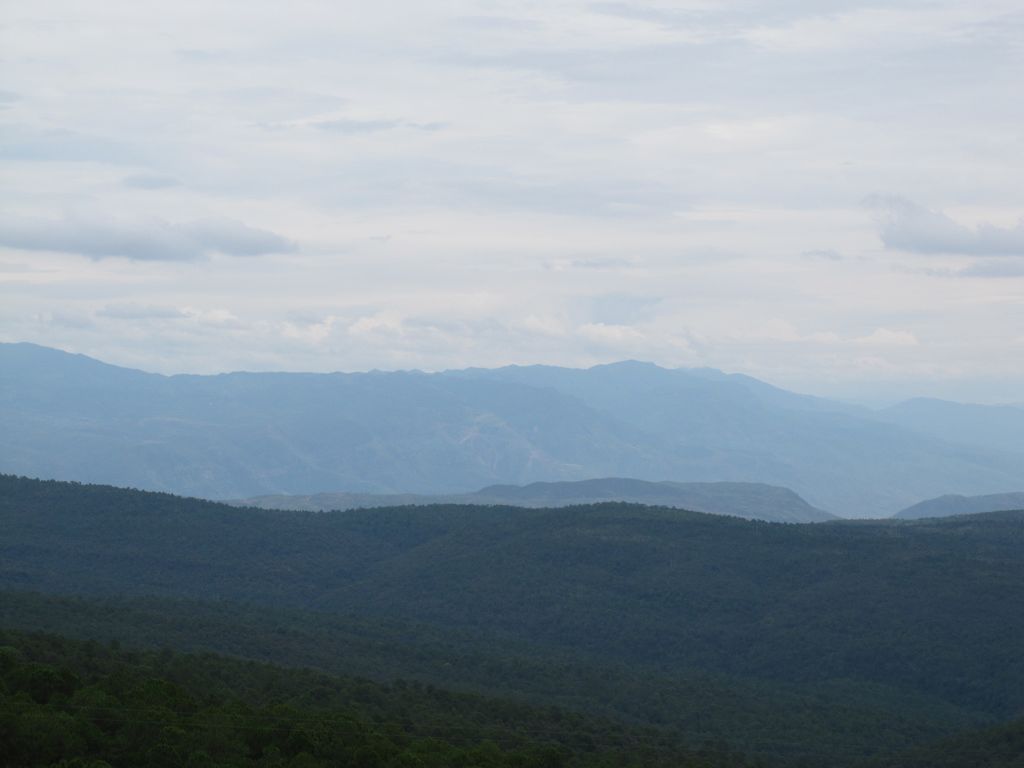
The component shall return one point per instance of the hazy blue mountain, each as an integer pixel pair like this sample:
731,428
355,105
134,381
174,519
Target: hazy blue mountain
733,427
70,417
246,434
753,501
954,504
994,426
603,385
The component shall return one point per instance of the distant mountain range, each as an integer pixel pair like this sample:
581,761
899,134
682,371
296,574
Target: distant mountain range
998,426
753,501
953,504
248,434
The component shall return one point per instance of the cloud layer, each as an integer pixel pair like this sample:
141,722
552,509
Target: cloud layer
480,182
911,227
142,240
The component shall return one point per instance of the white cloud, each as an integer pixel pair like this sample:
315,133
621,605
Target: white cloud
151,239
150,181
828,254
132,311
616,336
994,268
870,27
887,337
907,226
488,182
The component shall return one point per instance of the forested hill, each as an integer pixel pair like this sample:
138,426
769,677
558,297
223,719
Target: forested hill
754,501
66,703
945,506
925,606
998,747
245,434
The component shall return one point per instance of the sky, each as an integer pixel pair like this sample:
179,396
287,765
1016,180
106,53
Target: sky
826,195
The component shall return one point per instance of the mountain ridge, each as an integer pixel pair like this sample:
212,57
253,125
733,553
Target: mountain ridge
751,501
245,434
957,504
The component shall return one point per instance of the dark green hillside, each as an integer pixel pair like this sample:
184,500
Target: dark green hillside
998,747
66,700
923,605
831,723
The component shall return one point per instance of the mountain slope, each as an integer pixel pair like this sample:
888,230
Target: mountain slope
245,434
752,501
1001,746
920,605
71,703
994,426
730,427
945,506
768,718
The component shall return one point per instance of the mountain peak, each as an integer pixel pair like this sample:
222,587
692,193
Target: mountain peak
628,365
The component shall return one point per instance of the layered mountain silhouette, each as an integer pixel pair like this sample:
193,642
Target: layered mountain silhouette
954,504
247,434
753,501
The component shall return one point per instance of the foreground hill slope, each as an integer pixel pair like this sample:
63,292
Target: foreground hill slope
247,434
998,747
833,722
78,702
753,501
945,506
929,606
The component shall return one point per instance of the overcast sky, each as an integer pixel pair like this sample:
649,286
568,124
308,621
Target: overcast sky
827,195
